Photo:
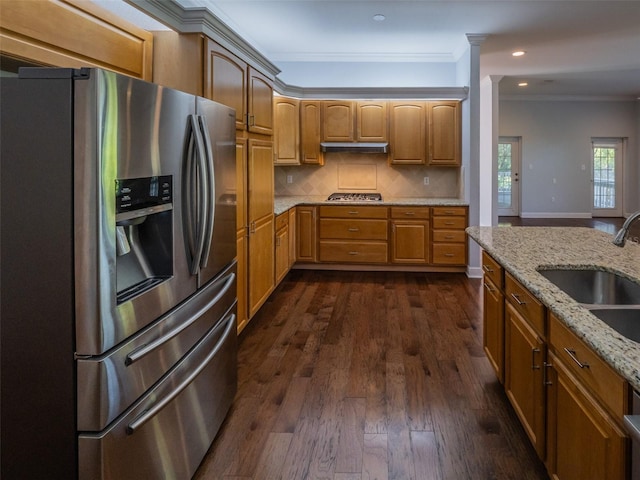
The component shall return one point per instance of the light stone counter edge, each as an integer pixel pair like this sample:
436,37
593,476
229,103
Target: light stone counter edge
521,250
283,203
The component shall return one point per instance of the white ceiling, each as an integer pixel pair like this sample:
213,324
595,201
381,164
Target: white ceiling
574,47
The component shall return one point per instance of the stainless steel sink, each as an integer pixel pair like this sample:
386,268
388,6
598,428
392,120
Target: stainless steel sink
625,321
594,286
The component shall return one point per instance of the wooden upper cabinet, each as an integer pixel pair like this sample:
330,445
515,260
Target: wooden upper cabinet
338,121
372,123
225,80
407,127
310,128
444,133
74,34
286,131
260,103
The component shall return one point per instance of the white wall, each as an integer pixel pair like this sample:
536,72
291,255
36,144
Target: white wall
368,74
556,144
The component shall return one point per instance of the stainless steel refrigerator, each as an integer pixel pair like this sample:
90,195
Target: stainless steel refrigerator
118,276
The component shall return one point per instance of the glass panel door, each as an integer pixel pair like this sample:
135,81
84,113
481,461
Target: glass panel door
509,177
606,178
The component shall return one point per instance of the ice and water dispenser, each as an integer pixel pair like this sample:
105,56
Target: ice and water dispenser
144,234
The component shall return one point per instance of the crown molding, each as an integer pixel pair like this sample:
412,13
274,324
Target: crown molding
566,98
364,93
201,20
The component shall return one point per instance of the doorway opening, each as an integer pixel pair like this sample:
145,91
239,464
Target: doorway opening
606,177
509,176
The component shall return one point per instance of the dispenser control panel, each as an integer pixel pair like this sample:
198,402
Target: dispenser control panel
137,193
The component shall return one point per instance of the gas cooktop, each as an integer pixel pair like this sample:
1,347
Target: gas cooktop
355,197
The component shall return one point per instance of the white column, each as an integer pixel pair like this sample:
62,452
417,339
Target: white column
489,117
472,193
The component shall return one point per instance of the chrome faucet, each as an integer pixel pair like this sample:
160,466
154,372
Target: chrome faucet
621,237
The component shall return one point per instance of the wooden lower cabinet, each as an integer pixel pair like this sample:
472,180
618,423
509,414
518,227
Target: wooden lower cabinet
306,250
410,235
282,246
493,332
241,283
261,265
525,353
449,238
585,443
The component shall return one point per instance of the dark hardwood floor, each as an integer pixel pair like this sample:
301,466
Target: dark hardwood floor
363,375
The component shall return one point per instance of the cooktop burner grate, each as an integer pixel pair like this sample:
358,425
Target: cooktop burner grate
355,197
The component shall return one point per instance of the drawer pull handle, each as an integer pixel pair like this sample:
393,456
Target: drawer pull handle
449,255
353,253
449,212
572,354
489,288
409,213
533,359
517,299
449,223
353,212
354,229
450,237
545,379
486,268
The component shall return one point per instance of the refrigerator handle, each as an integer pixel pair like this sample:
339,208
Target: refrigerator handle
147,415
202,206
209,178
188,189
147,348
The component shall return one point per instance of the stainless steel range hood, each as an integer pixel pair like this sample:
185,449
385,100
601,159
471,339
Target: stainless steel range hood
355,147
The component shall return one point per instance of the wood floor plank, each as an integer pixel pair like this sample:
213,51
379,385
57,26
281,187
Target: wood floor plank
371,375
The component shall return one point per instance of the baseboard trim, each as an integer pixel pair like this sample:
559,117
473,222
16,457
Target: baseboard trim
474,272
554,215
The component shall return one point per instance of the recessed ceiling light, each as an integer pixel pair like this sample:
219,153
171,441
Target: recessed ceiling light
518,53
378,17
522,84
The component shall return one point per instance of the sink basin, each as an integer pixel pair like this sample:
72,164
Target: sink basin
594,286
625,321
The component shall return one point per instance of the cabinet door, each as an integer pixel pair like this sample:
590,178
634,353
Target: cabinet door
282,253
306,234
241,183
225,80
407,127
410,242
286,131
524,358
260,103
444,133
372,123
241,283
261,263
260,179
584,443
310,127
493,331
337,121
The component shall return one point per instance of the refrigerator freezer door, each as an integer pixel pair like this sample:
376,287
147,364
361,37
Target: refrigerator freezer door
171,428
107,385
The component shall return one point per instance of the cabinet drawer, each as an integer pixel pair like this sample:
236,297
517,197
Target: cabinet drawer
450,254
360,229
449,223
410,213
493,270
353,252
282,220
609,387
445,211
449,236
353,211
525,303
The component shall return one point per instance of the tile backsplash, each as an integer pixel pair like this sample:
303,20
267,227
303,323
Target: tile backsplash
357,172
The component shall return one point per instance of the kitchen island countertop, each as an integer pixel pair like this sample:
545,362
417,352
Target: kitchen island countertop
523,250
283,203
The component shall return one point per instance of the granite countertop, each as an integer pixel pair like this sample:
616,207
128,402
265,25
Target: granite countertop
283,203
521,250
